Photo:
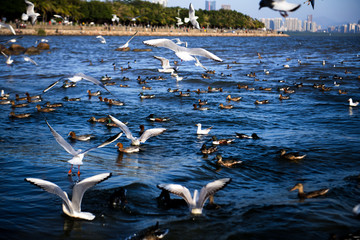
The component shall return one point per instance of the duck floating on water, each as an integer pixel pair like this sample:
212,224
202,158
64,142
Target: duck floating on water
206,151
244,136
312,194
226,162
291,155
131,149
84,137
215,141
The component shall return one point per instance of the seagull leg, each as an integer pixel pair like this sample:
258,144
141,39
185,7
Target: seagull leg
69,173
78,173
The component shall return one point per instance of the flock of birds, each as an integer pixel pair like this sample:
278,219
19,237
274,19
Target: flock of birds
196,201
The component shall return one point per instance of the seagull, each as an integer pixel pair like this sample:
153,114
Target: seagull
8,26
192,18
27,59
179,21
58,16
179,42
41,40
196,203
145,136
127,43
30,13
202,131
183,53
78,155
199,64
176,76
115,18
13,40
165,64
8,61
356,209
72,208
76,78
279,5
102,39
312,2
352,104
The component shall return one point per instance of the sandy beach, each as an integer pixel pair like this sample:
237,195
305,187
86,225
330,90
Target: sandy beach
51,30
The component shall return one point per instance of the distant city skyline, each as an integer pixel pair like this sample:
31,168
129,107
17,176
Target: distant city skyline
326,13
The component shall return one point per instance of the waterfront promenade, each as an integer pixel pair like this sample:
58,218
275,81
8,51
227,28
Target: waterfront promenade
78,30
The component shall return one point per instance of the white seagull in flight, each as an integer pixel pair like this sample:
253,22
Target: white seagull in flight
185,54
127,43
76,78
102,39
165,64
196,203
192,18
78,155
8,26
30,13
134,140
279,5
72,208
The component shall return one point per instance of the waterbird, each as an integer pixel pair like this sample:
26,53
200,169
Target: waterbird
200,131
200,108
28,59
78,155
352,103
30,13
356,209
8,26
179,21
83,137
165,64
179,42
291,155
72,208
177,77
8,61
131,149
20,115
192,18
199,64
226,162
206,151
76,78
44,109
223,141
222,106
280,5
127,43
102,39
235,99
152,118
150,233
144,136
312,194
115,18
244,136
97,93
196,203
312,2
185,54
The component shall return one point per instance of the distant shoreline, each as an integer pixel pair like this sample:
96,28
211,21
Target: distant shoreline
60,30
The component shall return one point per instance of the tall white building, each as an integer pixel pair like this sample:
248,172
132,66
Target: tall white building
161,2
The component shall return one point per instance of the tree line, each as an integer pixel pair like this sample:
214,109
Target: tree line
146,12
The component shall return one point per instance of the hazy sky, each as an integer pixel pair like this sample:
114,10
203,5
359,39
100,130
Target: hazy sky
327,12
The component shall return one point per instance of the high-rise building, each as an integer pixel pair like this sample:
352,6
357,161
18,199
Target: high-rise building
210,5
309,18
161,2
226,6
